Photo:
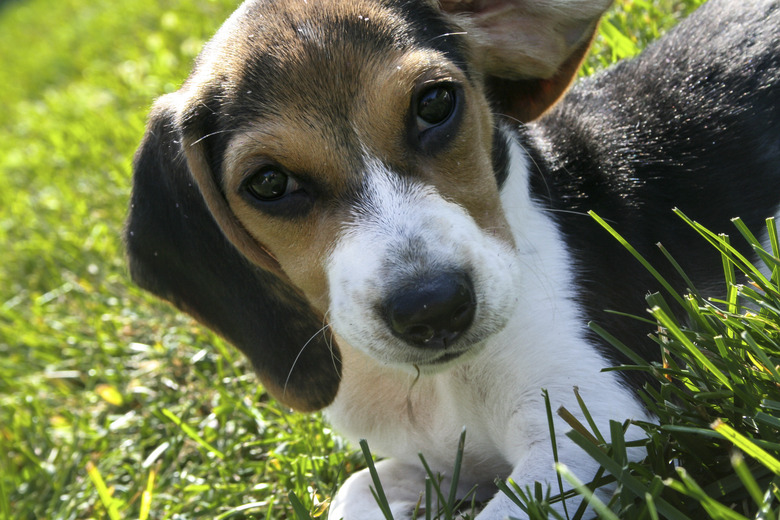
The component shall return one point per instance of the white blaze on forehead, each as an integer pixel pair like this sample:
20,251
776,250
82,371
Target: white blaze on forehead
388,199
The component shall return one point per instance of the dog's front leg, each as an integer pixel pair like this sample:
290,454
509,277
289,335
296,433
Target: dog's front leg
538,465
535,463
401,483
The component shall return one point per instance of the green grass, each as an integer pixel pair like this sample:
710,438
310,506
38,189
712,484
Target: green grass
111,404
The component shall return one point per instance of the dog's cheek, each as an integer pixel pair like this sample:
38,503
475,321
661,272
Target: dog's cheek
499,281
300,247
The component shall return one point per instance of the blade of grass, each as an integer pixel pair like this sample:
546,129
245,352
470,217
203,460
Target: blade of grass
192,434
738,259
551,427
456,469
731,280
746,445
761,355
745,231
674,294
520,501
575,424
600,507
669,324
630,482
301,513
239,510
774,243
105,495
378,490
743,472
5,506
436,487
652,510
146,497
688,486
678,268
428,498
628,352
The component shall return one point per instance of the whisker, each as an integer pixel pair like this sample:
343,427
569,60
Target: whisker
569,211
329,341
212,134
409,405
300,352
511,118
461,33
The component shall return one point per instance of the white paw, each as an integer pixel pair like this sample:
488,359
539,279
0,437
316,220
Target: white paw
401,484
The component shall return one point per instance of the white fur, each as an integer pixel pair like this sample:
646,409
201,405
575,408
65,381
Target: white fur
530,337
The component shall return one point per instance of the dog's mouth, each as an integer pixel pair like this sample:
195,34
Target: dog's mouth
446,358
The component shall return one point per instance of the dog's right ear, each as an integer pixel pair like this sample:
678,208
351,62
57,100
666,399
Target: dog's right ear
177,251
526,99
529,50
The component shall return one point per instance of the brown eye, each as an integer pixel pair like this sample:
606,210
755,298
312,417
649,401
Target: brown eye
269,184
274,191
435,106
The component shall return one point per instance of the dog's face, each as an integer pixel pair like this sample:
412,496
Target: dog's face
363,162
352,95
348,152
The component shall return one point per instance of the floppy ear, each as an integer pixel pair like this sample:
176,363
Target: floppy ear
529,50
527,99
179,252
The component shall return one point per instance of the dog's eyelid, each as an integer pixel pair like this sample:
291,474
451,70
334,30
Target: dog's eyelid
438,80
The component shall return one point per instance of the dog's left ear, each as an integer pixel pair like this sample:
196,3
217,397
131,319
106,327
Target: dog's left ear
185,246
530,50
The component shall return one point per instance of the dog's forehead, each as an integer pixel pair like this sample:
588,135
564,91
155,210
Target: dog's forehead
275,53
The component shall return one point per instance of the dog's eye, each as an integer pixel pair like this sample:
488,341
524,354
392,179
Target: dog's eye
434,106
273,190
435,114
270,184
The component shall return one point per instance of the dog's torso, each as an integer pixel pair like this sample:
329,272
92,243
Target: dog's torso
684,125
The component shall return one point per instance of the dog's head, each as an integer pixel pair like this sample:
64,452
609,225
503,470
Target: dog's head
334,163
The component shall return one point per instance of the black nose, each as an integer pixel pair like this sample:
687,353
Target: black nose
433,312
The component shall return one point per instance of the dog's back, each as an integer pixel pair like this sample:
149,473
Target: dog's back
693,123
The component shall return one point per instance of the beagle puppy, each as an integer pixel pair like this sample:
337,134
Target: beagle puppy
352,192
